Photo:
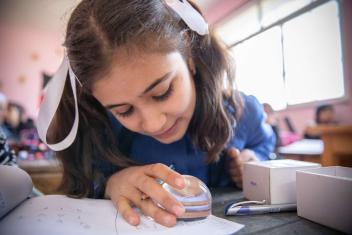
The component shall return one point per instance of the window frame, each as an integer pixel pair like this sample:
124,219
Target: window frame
303,10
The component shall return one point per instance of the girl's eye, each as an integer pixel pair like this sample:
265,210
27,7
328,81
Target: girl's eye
126,113
166,95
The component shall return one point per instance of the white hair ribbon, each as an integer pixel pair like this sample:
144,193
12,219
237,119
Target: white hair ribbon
51,102
189,15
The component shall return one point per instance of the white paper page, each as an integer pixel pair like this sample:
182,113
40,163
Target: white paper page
59,215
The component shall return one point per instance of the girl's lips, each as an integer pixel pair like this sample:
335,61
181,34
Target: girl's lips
169,132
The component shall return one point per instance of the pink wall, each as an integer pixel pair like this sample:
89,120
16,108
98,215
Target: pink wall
301,115
222,8
25,54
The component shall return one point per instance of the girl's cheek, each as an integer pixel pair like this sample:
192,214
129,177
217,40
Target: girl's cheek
128,122
180,102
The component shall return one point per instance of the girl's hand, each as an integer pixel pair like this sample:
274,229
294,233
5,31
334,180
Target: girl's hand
236,159
137,186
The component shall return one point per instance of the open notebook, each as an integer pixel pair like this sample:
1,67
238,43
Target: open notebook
57,214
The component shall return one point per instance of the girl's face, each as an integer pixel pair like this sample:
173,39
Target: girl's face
326,116
152,94
13,116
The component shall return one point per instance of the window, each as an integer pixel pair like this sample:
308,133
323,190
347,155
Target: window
313,60
259,69
295,57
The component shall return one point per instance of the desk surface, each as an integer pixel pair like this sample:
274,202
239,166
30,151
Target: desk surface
274,223
40,166
303,147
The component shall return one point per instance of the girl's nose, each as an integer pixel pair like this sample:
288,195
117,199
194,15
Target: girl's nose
153,121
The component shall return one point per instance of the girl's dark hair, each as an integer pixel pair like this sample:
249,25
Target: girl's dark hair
96,29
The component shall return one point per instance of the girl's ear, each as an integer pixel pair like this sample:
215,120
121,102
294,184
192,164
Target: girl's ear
191,66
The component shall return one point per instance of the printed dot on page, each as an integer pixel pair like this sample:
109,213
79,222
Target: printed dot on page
195,197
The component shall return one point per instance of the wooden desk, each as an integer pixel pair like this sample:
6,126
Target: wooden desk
46,174
274,223
337,145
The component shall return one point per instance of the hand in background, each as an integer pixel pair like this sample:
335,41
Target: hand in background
137,186
236,159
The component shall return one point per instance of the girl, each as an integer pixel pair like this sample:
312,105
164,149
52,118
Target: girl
151,90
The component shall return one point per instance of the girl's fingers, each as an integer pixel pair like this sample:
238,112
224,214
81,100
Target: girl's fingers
147,206
234,156
164,173
123,206
235,172
153,189
239,184
161,216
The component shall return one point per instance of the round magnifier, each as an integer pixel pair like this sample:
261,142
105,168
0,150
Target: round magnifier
195,197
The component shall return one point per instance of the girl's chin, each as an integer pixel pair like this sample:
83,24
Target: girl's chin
177,134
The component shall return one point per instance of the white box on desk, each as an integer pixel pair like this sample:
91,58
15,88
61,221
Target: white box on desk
324,195
273,181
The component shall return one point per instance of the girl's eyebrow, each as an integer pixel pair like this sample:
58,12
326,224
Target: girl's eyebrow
149,88
156,82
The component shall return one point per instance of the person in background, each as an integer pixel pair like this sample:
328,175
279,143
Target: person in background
3,112
7,155
16,121
273,121
324,115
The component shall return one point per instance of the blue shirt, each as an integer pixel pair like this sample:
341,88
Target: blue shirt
250,132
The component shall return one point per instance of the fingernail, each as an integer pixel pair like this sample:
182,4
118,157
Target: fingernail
168,220
180,182
178,210
131,220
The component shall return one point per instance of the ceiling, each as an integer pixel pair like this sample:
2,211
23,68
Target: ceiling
49,15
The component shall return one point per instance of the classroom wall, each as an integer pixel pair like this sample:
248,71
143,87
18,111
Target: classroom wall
25,54
31,34
302,114
221,8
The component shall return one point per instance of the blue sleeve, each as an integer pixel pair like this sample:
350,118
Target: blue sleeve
252,132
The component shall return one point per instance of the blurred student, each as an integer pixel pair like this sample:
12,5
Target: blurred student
324,115
3,112
273,121
7,156
16,121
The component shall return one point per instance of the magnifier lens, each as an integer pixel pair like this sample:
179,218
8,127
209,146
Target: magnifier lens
195,197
